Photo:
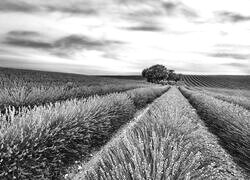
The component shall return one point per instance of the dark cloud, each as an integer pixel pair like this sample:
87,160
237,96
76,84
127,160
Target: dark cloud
231,55
18,33
178,8
76,42
146,27
76,9
63,47
28,39
68,45
142,14
17,6
23,6
28,43
226,16
170,7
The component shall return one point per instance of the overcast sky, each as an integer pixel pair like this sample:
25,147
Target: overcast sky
125,36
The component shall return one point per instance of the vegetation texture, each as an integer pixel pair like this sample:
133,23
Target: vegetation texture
68,126
237,98
32,88
217,81
229,122
42,142
168,142
158,73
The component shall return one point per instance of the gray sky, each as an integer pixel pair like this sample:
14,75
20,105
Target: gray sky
125,36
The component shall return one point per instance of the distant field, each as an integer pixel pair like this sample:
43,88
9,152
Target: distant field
7,76
68,126
29,88
217,81
125,77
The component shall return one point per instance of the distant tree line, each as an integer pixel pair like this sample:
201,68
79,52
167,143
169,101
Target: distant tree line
159,73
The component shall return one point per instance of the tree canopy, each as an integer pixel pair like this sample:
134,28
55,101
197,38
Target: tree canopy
157,73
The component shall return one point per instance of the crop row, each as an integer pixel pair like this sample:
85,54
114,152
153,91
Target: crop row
229,122
168,142
18,77
204,81
235,99
235,82
20,96
42,142
231,92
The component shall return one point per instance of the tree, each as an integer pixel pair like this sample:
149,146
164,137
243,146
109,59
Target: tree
155,73
171,75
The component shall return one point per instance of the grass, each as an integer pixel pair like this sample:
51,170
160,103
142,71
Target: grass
44,141
168,142
229,122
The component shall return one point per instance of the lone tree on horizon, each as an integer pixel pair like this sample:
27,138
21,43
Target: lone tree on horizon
157,73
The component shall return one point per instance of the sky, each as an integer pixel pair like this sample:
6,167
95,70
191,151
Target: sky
122,37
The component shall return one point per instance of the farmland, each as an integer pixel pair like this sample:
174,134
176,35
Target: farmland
19,88
219,81
68,126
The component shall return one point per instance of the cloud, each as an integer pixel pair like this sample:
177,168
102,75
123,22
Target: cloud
76,42
27,43
146,27
76,9
242,67
28,39
17,6
70,7
62,47
35,64
67,46
170,7
231,55
226,16
18,33
233,46
111,55
235,64
178,8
